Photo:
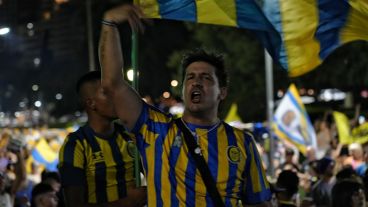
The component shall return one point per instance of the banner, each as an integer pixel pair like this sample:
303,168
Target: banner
360,134
43,154
299,34
232,115
347,135
343,127
291,122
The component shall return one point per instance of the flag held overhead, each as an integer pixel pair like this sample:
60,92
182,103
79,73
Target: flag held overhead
299,34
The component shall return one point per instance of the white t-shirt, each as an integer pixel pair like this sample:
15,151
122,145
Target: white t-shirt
5,200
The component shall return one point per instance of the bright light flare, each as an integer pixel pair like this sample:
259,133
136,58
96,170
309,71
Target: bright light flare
59,96
37,104
35,87
4,30
166,94
174,83
130,74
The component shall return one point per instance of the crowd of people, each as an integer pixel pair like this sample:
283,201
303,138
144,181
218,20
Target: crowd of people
194,160
337,179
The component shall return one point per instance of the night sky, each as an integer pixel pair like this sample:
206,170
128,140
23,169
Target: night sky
47,50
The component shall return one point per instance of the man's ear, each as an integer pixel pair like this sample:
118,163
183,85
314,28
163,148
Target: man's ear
223,93
90,103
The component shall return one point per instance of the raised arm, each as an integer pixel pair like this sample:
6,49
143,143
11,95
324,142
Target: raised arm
20,171
127,102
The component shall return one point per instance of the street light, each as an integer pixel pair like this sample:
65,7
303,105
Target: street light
174,83
4,30
130,74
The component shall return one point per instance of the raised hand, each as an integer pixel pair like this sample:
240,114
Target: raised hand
126,12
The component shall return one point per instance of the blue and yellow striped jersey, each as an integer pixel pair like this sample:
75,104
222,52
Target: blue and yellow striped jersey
172,176
104,166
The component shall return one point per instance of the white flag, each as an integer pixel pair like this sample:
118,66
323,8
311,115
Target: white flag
292,123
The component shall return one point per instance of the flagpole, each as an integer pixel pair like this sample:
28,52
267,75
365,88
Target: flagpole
134,57
270,106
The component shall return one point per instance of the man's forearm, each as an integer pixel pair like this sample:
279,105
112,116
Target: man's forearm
110,55
21,174
127,102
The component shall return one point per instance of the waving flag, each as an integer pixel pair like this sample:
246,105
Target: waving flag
291,122
343,127
232,115
43,154
346,134
299,34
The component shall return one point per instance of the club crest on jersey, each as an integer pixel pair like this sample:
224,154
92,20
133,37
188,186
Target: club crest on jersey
233,154
98,157
178,141
131,148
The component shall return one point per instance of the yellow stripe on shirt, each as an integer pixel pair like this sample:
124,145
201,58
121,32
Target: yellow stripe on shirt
223,162
257,187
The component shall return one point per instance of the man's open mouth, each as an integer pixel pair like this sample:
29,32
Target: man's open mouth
196,96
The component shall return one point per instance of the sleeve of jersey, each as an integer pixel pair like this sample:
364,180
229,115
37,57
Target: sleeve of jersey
142,119
149,122
256,189
71,162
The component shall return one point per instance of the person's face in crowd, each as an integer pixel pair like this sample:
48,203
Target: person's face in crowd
101,103
358,199
311,154
355,153
289,157
48,199
201,90
54,184
330,169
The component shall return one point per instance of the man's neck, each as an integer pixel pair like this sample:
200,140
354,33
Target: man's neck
101,126
200,120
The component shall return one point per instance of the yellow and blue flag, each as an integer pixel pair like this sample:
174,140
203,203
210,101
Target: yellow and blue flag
360,133
43,154
232,115
348,135
292,123
343,127
300,34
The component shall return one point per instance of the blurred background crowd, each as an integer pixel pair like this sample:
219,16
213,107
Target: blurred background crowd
333,174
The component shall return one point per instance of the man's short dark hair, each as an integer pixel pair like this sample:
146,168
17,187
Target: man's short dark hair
214,59
88,77
343,191
289,151
289,181
45,175
40,189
